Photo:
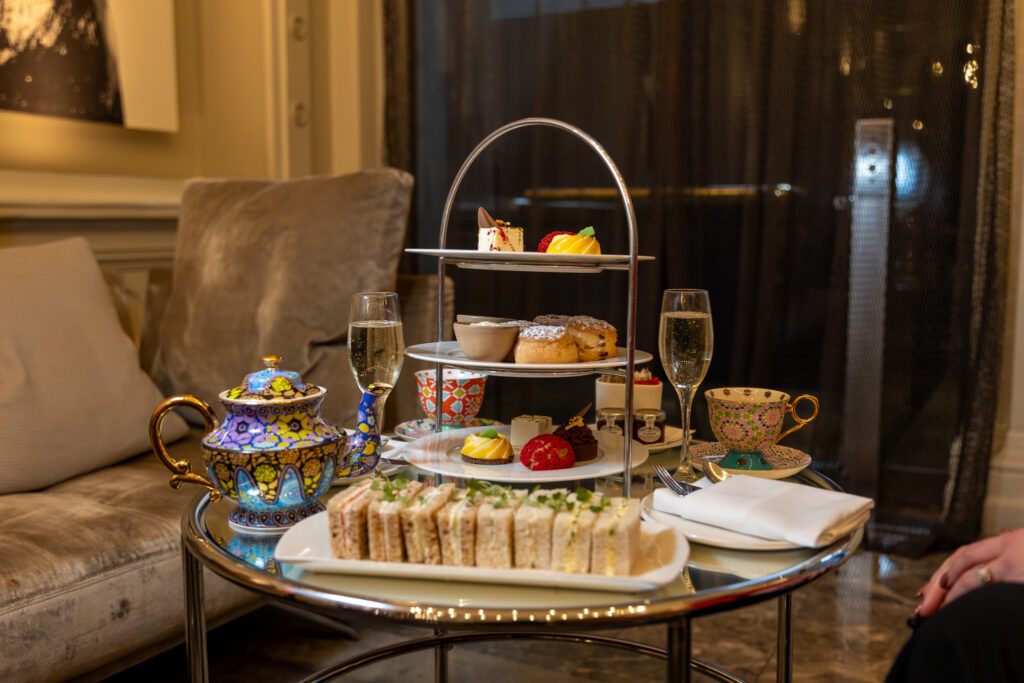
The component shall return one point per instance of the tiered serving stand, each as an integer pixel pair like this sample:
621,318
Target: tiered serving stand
539,262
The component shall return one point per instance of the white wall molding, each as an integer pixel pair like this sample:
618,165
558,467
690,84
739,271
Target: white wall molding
40,195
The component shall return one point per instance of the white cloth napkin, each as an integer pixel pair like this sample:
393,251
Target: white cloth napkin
776,510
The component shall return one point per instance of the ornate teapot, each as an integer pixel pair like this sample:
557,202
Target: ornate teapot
274,455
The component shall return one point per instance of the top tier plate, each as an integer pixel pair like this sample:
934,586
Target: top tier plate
531,261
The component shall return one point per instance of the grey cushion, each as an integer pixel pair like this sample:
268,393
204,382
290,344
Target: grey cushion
91,569
268,267
66,363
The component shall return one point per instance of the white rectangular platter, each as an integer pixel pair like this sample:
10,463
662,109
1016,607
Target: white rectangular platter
661,556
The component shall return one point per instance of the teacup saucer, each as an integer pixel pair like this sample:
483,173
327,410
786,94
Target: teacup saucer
417,429
784,462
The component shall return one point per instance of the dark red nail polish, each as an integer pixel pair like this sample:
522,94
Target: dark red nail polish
944,582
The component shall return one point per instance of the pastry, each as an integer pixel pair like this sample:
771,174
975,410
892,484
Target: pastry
571,532
545,344
456,528
495,521
582,242
525,427
533,522
487,448
495,235
346,519
547,452
579,436
595,339
419,524
615,537
383,517
552,319
610,391
544,243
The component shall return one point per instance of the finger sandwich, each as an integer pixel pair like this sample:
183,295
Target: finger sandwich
456,528
571,532
533,523
495,521
383,517
615,537
419,524
346,519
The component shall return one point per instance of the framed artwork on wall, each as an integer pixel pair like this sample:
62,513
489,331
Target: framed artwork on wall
109,61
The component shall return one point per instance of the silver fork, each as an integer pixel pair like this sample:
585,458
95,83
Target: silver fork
676,487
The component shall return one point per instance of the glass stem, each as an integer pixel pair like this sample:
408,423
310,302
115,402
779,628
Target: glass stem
686,470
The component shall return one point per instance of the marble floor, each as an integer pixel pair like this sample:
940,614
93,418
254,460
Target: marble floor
848,627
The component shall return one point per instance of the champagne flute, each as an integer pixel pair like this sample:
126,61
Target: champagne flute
685,341
375,345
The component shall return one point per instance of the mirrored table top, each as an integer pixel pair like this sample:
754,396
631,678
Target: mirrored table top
715,579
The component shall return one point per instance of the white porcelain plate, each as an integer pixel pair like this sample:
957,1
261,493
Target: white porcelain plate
661,555
439,454
707,534
785,462
449,353
417,429
531,261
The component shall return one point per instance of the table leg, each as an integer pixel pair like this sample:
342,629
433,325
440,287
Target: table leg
784,656
195,618
440,660
678,647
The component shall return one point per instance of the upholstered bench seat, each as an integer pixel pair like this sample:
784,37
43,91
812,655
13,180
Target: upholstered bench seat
90,569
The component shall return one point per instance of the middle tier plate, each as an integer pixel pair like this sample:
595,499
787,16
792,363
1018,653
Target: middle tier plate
439,454
449,353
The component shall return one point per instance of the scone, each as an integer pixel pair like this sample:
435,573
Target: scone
552,319
595,339
545,344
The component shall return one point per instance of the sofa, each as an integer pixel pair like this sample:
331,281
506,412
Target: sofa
90,563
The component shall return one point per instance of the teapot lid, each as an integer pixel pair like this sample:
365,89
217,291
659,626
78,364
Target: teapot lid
272,384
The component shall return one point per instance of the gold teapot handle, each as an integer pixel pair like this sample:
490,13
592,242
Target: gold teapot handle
181,470
800,422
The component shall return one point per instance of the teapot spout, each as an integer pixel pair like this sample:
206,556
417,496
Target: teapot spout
362,448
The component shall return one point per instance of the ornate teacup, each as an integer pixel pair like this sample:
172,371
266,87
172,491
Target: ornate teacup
748,421
274,455
463,394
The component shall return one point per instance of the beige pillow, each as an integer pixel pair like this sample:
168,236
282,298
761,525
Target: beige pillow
72,396
267,267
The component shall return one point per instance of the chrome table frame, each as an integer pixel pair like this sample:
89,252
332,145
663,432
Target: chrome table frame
451,626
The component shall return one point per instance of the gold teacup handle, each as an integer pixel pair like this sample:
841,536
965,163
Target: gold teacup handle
800,422
181,470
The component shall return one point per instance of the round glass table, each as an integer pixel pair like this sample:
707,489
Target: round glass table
716,579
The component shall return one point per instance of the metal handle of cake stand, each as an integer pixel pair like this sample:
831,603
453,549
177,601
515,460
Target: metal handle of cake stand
627,449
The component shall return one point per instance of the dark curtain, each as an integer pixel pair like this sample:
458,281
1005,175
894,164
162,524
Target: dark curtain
834,172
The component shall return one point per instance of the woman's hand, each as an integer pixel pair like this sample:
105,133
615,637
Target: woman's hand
998,558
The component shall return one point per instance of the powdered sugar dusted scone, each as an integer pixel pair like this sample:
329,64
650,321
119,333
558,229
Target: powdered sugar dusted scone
595,339
545,344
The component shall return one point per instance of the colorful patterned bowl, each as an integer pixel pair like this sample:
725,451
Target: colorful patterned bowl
274,455
463,394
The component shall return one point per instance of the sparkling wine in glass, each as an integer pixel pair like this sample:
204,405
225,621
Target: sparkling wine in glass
685,344
375,345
